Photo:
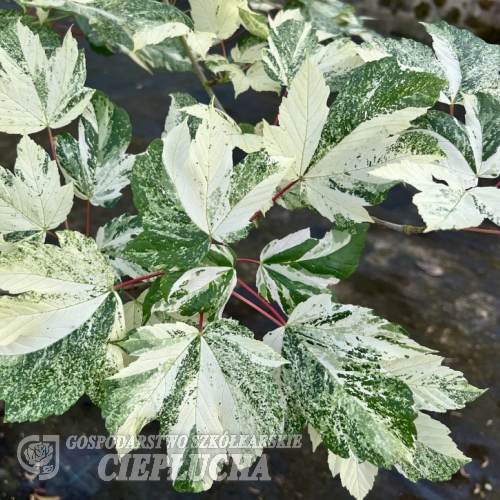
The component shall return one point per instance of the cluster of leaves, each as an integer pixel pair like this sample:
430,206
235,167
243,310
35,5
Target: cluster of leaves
359,383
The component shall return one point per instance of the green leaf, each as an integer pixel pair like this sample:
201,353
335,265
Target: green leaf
32,200
297,267
336,381
169,240
97,163
57,290
49,381
219,198
363,130
197,384
469,64
472,152
111,240
36,90
254,23
436,457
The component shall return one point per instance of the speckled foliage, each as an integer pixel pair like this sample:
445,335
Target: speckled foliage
97,164
473,152
341,380
32,201
197,384
467,63
136,318
36,90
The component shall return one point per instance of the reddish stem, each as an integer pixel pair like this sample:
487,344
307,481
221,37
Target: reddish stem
52,144
249,260
88,219
265,302
277,119
497,184
452,109
257,308
223,47
275,197
137,280
200,324
54,235
477,230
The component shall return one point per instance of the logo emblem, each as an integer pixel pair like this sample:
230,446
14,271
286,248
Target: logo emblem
39,455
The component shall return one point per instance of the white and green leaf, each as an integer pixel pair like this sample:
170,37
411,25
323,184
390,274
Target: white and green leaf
97,164
363,130
113,237
170,240
57,290
436,456
38,90
297,267
434,387
472,152
336,381
49,381
32,200
468,64
197,384
219,198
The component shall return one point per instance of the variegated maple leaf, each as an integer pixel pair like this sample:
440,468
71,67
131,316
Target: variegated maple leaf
38,90
468,64
196,384
32,200
336,149
97,163
473,152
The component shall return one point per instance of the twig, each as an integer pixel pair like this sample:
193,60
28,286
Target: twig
478,230
137,286
275,197
257,308
258,297
199,73
87,233
249,260
138,280
401,228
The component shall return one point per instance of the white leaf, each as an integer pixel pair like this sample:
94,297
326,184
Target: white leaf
357,478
